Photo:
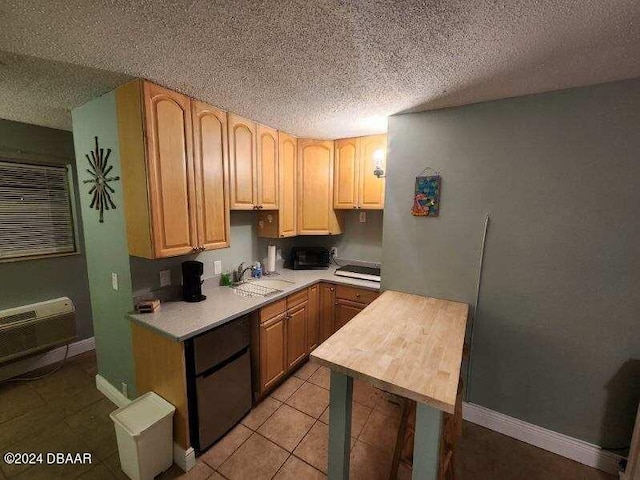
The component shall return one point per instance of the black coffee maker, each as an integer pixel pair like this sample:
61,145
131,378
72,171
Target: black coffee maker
191,282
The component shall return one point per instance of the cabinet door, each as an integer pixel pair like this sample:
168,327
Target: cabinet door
171,172
242,163
345,311
297,335
345,195
211,160
372,149
316,215
273,365
326,310
267,171
313,322
287,158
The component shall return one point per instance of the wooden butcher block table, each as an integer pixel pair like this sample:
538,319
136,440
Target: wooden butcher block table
404,344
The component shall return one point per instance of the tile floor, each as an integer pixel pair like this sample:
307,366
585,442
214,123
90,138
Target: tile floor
284,437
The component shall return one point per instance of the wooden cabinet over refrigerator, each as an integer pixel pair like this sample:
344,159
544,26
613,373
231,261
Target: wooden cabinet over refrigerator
175,196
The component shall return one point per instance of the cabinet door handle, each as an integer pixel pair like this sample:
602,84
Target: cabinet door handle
332,289
357,295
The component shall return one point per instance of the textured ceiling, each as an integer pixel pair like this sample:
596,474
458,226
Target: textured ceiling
322,68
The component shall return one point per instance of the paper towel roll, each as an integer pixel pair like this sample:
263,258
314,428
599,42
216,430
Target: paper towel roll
271,258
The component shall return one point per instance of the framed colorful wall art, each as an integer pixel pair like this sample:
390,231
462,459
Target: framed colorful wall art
426,200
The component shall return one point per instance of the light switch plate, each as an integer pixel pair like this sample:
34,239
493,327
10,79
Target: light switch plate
217,267
114,281
165,278
363,217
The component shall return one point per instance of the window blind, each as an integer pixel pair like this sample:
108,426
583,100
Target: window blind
35,210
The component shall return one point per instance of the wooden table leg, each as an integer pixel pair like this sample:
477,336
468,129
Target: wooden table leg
340,425
426,450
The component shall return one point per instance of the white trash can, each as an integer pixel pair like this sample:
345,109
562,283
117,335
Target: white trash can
144,429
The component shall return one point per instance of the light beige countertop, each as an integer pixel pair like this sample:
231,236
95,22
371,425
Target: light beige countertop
404,344
182,320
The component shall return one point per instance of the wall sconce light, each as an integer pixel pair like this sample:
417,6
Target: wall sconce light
378,157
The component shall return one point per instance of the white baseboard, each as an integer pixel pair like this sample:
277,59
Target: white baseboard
111,392
21,367
185,459
569,447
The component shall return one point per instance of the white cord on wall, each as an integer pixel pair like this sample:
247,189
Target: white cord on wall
475,306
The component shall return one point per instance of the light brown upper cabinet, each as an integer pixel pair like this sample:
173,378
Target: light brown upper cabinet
175,198
267,171
253,165
211,165
355,184
283,223
346,173
316,215
242,163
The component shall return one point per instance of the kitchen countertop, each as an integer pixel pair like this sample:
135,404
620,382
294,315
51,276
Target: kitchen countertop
182,320
404,344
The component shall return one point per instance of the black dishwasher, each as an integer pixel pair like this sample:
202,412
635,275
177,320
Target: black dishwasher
218,381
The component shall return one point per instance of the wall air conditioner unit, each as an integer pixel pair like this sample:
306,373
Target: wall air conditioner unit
35,328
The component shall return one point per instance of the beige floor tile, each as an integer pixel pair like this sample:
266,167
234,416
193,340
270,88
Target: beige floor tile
310,399
296,469
59,439
99,472
380,431
223,449
87,362
368,463
94,425
201,471
306,370
286,427
287,389
313,447
69,390
256,459
16,399
322,378
216,476
388,404
113,464
29,424
359,416
258,415
365,393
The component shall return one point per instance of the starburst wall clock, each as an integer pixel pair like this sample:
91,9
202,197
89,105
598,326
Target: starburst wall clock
101,190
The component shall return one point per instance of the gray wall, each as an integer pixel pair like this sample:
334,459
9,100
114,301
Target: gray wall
361,241
28,281
557,335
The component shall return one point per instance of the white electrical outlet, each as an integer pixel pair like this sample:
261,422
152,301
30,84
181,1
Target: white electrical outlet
165,278
333,251
114,281
363,217
125,390
217,267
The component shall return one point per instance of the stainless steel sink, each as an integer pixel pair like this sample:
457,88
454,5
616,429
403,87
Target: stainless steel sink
263,287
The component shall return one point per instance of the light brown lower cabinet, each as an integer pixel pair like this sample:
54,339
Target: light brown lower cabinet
286,331
273,341
313,319
345,311
326,310
297,348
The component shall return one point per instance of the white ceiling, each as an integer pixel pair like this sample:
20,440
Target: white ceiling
314,68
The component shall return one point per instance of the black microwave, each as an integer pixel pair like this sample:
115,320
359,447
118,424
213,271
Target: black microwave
307,258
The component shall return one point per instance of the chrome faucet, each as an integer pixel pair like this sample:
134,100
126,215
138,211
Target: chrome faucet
238,275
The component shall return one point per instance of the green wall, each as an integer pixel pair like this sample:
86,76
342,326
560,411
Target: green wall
556,338
106,246
30,281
